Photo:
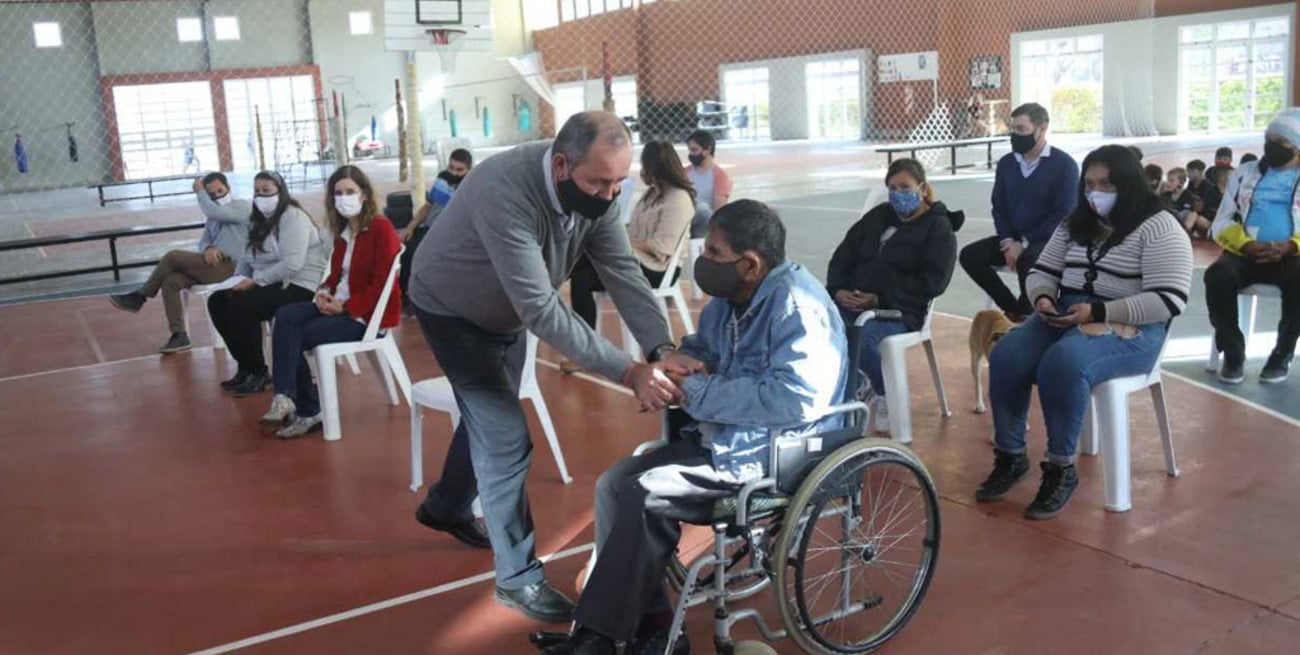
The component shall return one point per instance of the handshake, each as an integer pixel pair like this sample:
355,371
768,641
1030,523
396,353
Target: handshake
658,385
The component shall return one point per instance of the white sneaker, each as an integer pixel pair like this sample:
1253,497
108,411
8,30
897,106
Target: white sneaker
282,409
299,427
880,413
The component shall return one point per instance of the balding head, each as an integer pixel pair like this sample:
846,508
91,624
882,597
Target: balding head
594,149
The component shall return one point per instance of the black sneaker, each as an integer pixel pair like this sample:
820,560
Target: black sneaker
1233,370
585,642
129,302
654,644
1276,368
1008,469
1054,492
240,378
255,384
179,342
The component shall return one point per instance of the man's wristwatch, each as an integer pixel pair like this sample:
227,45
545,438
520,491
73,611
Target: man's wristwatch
660,352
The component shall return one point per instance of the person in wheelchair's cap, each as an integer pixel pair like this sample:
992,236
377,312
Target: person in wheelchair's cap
774,358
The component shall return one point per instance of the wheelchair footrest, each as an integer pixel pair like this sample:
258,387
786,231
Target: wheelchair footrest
543,640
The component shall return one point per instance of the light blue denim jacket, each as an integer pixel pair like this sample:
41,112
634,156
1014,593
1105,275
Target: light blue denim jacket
777,368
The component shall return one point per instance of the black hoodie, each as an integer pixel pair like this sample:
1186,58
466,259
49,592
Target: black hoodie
912,267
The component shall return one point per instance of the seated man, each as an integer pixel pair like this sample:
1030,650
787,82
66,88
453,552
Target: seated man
771,355
439,195
225,236
1258,226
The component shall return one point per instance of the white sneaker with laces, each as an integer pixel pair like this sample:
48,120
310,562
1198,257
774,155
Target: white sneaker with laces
299,427
282,409
880,413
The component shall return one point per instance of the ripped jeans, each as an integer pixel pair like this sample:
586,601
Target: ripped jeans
1065,364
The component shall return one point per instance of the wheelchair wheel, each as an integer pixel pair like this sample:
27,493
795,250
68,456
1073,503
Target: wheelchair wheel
859,549
753,648
696,542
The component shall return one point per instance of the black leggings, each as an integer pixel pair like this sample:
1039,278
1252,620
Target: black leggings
238,316
585,282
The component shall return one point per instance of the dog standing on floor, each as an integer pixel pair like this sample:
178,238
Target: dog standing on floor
988,327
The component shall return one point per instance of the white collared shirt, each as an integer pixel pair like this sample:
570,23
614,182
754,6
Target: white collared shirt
1027,167
342,292
566,220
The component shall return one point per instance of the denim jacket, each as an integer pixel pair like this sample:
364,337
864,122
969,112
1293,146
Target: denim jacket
777,368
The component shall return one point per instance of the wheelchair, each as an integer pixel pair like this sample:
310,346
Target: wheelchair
845,530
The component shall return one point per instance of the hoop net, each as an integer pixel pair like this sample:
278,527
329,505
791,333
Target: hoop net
446,42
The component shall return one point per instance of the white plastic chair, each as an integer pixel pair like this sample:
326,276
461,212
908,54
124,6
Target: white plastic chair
437,394
667,290
1247,306
893,359
696,248
1106,425
382,346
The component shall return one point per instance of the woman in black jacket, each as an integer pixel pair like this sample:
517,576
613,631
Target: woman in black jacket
899,256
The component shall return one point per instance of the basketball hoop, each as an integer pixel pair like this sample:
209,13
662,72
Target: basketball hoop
446,42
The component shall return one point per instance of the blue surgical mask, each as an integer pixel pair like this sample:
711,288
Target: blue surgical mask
905,201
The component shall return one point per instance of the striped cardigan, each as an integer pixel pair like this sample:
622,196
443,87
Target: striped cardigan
1144,279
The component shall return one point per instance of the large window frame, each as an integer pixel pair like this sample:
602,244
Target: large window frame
571,10
1066,76
747,93
1232,75
834,98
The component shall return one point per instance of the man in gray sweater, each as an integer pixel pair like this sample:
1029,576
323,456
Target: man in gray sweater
488,270
224,238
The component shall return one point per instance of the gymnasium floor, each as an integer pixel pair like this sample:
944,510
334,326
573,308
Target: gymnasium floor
146,512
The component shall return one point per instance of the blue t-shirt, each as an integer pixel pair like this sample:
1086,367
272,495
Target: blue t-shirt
1270,207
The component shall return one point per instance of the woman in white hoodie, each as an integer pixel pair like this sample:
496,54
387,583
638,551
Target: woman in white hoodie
285,260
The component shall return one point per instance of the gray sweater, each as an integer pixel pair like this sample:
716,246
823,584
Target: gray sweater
498,253
227,228
296,253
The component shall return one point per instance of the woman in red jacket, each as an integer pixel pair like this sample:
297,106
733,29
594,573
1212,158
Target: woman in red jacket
365,246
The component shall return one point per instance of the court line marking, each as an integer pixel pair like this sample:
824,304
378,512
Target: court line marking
90,337
376,607
1198,384
590,378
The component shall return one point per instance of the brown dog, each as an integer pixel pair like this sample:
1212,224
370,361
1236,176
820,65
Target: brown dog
988,327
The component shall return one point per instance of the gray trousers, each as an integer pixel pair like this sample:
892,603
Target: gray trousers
491,451
638,503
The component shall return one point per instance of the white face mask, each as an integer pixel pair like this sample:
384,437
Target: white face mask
347,206
1103,202
224,200
266,204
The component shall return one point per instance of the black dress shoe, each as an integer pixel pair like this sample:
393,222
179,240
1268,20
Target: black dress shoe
538,601
255,384
239,378
586,642
654,644
471,534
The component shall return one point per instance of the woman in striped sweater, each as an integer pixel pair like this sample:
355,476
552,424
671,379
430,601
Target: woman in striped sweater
1104,289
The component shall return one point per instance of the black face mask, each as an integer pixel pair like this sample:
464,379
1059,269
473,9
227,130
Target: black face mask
1023,143
1277,155
572,199
451,179
696,160
718,279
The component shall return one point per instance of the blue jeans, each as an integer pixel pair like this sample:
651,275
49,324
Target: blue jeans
298,328
1066,364
869,349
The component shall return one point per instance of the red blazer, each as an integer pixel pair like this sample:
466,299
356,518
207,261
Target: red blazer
372,257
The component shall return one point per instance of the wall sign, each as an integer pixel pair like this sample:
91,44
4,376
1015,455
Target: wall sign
908,67
986,72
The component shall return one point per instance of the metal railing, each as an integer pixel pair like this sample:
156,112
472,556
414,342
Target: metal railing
111,236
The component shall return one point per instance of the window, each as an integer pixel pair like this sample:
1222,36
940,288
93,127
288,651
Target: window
165,129
569,99
189,30
1232,76
48,35
834,99
566,10
226,28
1064,75
745,91
290,125
359,22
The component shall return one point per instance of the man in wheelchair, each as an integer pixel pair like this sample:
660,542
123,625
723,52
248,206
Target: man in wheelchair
771,355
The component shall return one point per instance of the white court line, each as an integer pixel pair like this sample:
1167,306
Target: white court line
590,378
374,607
24,376
1195,383
90,337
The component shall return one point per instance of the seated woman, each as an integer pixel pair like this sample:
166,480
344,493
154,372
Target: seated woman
283,263
658,222
899,256
1113,275
365,245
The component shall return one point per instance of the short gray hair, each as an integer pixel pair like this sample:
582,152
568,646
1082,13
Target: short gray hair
584,129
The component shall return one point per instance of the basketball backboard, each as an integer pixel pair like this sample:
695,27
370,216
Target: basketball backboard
407,24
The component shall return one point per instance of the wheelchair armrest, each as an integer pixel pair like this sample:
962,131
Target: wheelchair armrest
742,502
877,315
649,446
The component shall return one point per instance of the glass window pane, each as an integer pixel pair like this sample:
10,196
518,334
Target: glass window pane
1090,43
1230,31
1033,48
1271,27
566,10
582,8
189,30
226,28
360,22
48,35
1198,34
